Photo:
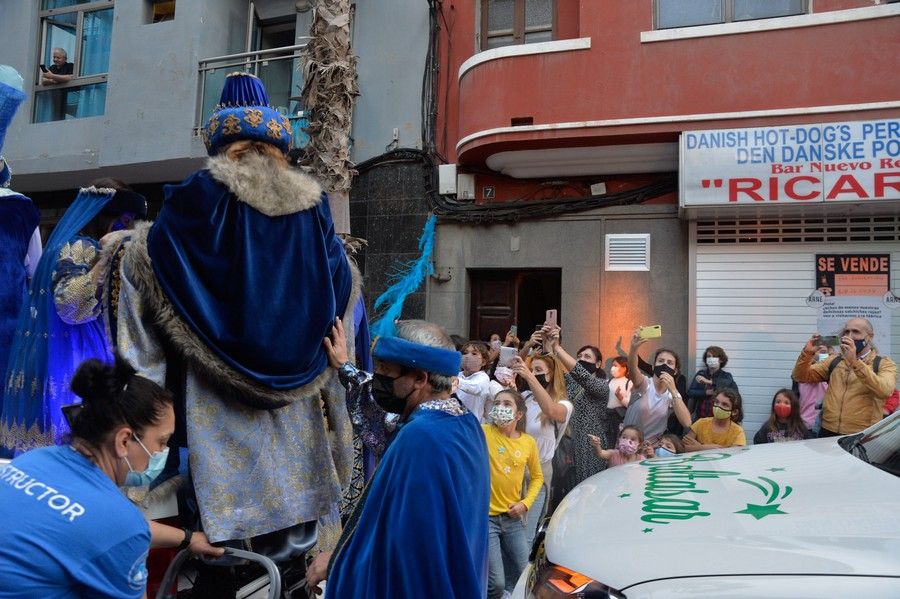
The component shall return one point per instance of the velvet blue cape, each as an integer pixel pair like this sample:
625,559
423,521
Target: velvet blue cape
18,219
423,527
259,291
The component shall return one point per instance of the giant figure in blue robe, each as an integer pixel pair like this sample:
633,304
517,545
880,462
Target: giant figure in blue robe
20,239
226,300
64,318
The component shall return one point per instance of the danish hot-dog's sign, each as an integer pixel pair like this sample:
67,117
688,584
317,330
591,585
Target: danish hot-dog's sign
829,162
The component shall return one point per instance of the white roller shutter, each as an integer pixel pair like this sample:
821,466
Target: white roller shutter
749,298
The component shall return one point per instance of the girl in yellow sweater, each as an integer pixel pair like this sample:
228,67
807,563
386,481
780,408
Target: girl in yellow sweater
510,450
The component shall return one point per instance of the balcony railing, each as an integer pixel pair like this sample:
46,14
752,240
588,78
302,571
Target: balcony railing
280,70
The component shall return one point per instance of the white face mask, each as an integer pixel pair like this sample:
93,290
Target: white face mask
712,363
823,357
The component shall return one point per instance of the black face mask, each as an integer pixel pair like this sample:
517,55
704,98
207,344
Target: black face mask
661,368
592,368
383,394
542,380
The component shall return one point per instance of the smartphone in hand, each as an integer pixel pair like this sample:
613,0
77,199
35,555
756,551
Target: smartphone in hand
551,318
650,332
507,356
43,69
514,330
830,340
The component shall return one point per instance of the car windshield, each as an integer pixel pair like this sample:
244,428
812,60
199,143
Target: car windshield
879,445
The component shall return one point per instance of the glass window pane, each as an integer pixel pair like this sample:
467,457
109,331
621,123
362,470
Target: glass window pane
538,13
70,103
276,76
685,13
501,15
532,37
95,39
51,4
91,100
60,35
214,81
762,9
500,40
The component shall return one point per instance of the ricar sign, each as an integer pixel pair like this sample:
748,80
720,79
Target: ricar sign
830,162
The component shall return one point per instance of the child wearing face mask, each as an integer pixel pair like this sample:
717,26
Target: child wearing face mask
474,389
669,446
510,450
784,423
710,379
627,446
723,429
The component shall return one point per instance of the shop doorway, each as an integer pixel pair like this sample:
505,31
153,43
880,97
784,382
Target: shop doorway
504,297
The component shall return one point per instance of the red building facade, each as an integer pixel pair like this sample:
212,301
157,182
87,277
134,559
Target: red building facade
599,108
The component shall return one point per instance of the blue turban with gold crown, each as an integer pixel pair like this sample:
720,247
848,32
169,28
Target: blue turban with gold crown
243,112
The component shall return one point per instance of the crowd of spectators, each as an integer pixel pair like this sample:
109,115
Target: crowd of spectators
583,421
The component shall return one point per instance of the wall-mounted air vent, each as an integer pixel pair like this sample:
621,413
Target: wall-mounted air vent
628,251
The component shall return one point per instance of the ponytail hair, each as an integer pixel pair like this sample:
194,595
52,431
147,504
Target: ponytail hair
114,395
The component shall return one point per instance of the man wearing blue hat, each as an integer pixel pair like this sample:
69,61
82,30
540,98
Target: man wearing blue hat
421,528
225,299
20,238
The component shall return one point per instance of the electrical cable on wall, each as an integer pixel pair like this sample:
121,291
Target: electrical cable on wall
449,208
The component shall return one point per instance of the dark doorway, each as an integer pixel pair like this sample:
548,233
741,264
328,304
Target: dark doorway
504,297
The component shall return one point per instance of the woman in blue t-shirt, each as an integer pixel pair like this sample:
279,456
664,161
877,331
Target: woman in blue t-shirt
68,531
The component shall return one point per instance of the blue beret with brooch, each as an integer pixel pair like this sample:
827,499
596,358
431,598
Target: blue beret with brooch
243,112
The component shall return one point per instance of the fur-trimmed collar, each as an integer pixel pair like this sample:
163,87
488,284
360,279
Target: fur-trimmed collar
272,189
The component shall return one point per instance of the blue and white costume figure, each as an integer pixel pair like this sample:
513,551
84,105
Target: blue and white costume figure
226,300
20,238
60,325
421,527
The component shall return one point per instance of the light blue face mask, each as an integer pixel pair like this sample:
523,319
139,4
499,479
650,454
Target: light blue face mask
662,452
154,467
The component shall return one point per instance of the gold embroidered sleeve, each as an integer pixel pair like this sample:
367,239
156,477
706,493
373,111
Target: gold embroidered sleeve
75,293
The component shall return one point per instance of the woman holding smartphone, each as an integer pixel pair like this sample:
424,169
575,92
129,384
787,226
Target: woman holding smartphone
592,414
653,398
548,412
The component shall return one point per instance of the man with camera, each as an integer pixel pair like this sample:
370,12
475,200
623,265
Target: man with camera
859,380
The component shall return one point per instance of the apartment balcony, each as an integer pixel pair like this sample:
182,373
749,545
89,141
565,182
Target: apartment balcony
280,70
526,111
616,98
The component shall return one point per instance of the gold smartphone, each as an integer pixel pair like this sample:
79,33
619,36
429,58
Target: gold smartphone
653,331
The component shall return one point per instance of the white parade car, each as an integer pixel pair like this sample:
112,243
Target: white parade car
818,518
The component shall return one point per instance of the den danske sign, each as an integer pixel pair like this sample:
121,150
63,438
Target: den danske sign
829,162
